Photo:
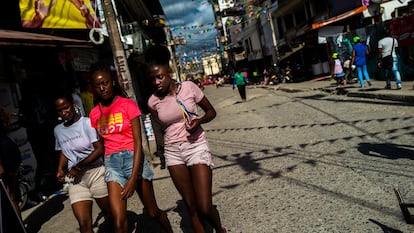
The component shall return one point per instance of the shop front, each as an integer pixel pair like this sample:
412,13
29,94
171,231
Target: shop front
32,68
403,29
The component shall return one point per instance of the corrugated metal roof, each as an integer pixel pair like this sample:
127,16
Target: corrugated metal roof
18,38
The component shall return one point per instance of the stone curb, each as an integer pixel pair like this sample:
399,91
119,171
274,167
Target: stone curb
368,95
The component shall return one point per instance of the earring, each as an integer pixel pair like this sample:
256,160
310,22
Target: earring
113,83
77,109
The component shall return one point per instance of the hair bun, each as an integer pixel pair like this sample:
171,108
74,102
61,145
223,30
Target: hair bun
157,55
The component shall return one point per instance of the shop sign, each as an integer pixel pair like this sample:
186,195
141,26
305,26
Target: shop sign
66,14
82,59
403,29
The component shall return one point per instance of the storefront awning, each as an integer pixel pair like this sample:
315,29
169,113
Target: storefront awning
18,38
339,17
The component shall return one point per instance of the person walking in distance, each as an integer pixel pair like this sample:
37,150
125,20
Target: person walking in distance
387,46
359,58
116,117
80,161
239,80
337,71
187,154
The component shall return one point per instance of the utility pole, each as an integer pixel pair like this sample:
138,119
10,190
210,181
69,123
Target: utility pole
275,55
117,48
121,62
172,47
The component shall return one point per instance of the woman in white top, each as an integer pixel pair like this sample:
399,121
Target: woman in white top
80,162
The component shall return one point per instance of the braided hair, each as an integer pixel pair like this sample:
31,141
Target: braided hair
109,68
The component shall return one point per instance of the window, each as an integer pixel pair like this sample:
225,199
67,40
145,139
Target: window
300,16
289,21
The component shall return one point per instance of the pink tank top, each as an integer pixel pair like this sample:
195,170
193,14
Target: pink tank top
338,67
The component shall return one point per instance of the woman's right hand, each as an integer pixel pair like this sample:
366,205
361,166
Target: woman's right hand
73,172
60,175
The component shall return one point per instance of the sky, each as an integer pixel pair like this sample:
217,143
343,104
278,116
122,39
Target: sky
194,21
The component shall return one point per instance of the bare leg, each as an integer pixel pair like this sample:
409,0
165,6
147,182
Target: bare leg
118,207
83,213
202,182
180,175
103,204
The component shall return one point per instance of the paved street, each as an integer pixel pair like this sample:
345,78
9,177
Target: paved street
293,158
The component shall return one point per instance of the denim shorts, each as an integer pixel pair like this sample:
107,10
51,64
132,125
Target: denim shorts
339,76
119,167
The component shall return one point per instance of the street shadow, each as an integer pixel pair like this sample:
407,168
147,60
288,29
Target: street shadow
104,225
44,213
384,228
313,97
358,100
386,150
137,223
185,224
340,91
371,89
181,209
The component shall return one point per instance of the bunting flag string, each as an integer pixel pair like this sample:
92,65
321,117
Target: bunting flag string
253,13
194,55
190,35
192,27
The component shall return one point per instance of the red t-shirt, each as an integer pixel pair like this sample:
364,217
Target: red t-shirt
114,124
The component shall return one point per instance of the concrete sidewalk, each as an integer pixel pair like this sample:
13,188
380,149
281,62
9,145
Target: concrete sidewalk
376,91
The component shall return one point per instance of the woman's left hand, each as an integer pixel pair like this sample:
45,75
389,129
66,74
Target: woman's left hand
129,189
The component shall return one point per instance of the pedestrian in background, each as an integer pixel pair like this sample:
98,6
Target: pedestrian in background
359,58
10,160
338,71
80,161
239,80
116,118
387,46
174,107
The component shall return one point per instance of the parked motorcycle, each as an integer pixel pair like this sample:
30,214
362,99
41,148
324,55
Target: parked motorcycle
198,83
275,76
278,75
287,75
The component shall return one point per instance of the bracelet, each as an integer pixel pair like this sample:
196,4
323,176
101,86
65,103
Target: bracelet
77,168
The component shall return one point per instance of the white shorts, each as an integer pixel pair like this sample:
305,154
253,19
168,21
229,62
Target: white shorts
91,185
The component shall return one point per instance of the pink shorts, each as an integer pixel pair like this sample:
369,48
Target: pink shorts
188,153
